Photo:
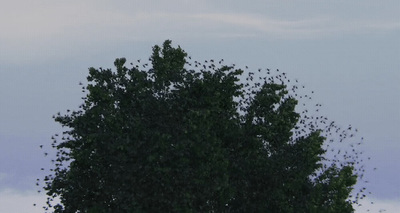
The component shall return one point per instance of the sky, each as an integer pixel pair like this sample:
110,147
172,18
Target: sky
348,52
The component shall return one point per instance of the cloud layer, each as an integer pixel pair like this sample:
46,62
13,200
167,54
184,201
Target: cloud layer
30,20
23,202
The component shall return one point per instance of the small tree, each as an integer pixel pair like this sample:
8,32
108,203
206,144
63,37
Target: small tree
184,136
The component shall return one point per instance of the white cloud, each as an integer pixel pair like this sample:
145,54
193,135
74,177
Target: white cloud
378,205
21,202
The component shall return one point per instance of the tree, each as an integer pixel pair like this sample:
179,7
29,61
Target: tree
186,136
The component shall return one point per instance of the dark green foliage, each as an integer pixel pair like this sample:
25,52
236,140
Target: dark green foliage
172,139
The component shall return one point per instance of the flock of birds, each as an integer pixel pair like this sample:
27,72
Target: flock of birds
343,147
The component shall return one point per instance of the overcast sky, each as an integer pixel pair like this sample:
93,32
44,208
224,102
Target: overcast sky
348,52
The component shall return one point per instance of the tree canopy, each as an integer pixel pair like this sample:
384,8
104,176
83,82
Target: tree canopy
176,135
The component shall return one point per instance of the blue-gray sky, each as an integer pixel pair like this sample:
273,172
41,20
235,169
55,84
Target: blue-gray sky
348,52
